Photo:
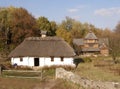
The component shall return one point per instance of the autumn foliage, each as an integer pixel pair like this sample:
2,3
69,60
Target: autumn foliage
17,23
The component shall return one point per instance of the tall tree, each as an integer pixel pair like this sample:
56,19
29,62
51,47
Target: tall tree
22,24
66,35
53,28
117,29
67,24
43,24
114,44
15,25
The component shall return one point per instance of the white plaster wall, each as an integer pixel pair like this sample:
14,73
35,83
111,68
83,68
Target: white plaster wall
47,61
14,60
57,61
68,61
31,61
43,61
27,61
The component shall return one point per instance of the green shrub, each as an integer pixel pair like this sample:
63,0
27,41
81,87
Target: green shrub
78,60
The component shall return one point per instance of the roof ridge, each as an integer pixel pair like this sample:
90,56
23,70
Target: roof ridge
44,39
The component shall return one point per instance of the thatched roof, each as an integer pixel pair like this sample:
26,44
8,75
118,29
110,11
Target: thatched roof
43,47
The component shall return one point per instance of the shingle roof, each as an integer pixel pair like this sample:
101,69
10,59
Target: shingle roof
90,35
90,49
78,41
43,47
100,41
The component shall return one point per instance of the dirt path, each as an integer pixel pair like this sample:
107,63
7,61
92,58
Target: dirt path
48,84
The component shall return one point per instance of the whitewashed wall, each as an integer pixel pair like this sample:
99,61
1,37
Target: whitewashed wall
43,61
27,61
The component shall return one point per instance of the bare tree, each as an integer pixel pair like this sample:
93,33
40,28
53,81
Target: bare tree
114,44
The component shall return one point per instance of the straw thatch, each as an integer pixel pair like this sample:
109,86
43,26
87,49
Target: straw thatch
43,47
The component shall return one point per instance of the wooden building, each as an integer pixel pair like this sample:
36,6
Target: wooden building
91,45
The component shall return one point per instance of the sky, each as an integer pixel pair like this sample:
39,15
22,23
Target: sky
101,13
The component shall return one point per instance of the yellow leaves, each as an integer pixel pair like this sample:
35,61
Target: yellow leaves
66,35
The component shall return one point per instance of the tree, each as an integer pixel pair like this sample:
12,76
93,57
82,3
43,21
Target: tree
67,24
5,34
117,29
22,24
43,24
114,44
15,25
53,28
64,34
78,30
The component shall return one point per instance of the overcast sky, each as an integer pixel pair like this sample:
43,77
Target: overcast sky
101,13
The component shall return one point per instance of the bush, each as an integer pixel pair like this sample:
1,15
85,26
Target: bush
66,67
6,65
23,68
78,60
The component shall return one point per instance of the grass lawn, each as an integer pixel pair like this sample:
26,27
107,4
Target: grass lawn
87,70
21,74
32,83
23,83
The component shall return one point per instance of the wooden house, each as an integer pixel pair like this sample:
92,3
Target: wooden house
91,45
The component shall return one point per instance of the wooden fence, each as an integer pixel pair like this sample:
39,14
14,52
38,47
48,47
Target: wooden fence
0,70
22,74
41,74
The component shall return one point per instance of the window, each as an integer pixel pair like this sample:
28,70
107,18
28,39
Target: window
62,59
52,59
21,59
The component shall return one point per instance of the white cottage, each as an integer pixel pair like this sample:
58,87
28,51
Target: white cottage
42,51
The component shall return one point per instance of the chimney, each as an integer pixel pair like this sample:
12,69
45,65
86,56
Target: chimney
43,33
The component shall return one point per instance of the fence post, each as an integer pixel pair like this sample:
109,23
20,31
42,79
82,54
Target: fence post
0,70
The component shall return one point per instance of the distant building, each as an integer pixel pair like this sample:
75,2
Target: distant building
42,51
91,45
